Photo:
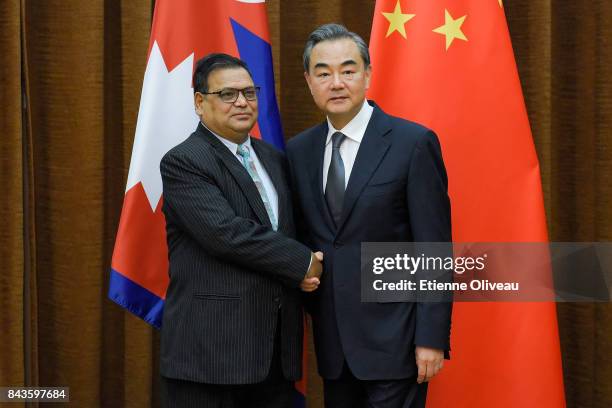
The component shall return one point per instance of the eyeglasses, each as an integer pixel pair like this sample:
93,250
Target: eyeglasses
230,95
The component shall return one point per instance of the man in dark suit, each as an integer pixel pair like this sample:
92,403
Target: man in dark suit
365,176
232,326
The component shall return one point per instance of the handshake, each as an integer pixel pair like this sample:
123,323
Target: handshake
311,280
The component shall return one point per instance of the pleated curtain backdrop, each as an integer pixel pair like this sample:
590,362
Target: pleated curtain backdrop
76,68
12,246
71,76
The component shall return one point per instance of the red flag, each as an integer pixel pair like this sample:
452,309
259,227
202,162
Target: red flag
449,65
182,32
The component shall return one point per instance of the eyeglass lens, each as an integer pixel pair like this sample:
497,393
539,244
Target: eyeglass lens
231,94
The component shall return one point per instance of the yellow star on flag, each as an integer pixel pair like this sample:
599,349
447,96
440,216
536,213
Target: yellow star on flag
451,28
397,20
500,3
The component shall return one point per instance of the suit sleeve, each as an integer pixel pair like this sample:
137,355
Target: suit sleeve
300,223
194,201
298,215
430,218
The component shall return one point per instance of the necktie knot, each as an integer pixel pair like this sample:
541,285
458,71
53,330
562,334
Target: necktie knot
337,139
243,151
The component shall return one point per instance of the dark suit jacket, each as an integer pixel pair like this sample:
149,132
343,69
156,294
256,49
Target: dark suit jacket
230,273
397,191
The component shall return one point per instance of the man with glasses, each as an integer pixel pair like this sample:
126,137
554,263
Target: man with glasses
232,326
366,176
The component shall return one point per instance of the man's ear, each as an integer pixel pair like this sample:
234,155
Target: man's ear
308,79
198,103
368,76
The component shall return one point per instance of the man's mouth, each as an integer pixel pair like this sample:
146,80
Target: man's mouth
338,98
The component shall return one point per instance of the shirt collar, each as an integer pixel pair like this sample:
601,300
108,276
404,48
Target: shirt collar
233,147
356,128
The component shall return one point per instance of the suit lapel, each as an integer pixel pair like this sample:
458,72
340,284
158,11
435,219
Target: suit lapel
373,147
239,173
316,175
275,172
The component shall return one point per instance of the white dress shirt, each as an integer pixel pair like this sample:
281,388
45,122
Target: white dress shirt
263,174
354,131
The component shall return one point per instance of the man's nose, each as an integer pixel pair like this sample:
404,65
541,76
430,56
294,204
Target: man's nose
337,81
241,100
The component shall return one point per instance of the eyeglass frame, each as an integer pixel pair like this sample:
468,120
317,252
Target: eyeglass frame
238,92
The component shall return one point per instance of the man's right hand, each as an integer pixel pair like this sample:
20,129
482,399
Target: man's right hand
311,280
316,267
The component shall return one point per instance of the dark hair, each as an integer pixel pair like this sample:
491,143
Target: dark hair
333,31
211,62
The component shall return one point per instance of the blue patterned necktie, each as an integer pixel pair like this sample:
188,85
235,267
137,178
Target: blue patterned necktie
249,165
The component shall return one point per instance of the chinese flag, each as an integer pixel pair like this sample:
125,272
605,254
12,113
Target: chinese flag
449,65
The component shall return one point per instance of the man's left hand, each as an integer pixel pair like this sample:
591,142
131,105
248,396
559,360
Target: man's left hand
429,362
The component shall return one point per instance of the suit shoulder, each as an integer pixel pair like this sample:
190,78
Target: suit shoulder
409,126
269,148
411,132
192,152
302,139
193,144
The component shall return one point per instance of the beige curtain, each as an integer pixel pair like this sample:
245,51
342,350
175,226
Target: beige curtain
70,89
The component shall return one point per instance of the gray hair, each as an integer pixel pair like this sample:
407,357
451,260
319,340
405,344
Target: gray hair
333,31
